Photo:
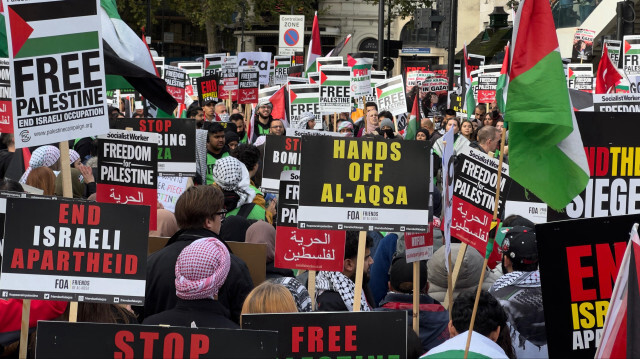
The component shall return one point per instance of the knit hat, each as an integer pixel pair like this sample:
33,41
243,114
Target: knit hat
386,122
230,136
232,175
520,245
402,272
201,269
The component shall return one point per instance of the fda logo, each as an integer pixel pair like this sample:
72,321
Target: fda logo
81,298
339,226
5,293
46,295
401,228
302,225
116,300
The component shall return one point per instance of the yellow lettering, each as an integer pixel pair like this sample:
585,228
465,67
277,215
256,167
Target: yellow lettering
354,171
388,194
378,171
574,316
338,149
601,312
353,150
636,164
374,195
381,151
395,151
615,151
367,150
588,321
401,197
626,165
339,198
360,195
327,195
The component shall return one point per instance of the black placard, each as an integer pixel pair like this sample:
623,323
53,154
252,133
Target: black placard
281,153
208,88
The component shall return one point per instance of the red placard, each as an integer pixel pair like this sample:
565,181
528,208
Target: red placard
108,193
419,246
470,224
309,249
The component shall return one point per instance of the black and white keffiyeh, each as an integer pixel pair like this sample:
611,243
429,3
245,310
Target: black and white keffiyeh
232,175
518,279
341,284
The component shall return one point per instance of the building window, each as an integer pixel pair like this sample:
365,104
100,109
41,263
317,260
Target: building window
412,37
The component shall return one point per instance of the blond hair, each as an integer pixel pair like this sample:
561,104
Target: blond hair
269,297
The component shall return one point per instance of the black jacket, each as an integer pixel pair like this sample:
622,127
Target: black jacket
160,294
205,313
331,301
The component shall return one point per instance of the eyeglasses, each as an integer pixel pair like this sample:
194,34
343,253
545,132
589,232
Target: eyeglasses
277,126
222,214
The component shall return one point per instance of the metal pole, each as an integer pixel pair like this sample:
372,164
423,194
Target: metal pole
244,9
453,36
388,52
380,32
148,29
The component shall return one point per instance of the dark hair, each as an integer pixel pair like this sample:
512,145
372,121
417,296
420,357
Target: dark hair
351,244
104,313
385,114
504,341
197,204
247,154
489,316
481,107
8,184
371,104
193,111
6,139
236,117
450,112
215,128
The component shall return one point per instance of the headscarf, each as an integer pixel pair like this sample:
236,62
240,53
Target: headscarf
43,156
77,188
262,232
346,124
371,128
73,156
305,117
201,269
299,292
232,175
234,228
167,224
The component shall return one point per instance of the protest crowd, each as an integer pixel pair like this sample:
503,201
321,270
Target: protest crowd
312,208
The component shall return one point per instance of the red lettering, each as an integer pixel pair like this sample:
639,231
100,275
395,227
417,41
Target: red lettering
296,338
590,152
118,263
149,338
93,262
577,273
121,339
287,144
17,260
64,212
199,345
77,214
167,125
173,346
315,339
62,264
602,161
106,263
78,259
94,215
334,337
607,268
47,260
130,264
350,338
33,255
143,125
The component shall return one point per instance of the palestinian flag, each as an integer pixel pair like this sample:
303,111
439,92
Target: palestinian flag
282,62
265,94
314,77
303,98
356,58
328,61
315,46
213,61
335,76
413,126
480,347
549,146
279,102
377,76
336,51
503,82
469,99
394,85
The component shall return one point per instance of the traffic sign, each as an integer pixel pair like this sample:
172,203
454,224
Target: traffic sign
291,34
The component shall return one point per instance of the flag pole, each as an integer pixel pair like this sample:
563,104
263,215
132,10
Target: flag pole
489,246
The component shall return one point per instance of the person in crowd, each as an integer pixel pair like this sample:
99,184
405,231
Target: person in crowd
371,123
269,297
263,118
231,139
488,140
220,109
216,148
7,184
336,290
105,313
299,292
201,269
207,109
520,294
43,178
448,115
432,134
199,213
307,121
238,119
488,120
466,129
11,319
434,319
422,135
233,178
346,128
78,188
43,156
250,156
196,113
459,142
479,112
277,128
468,277
361,122
263,233
7,153
386,127
234,229
490,320
167,224
475,123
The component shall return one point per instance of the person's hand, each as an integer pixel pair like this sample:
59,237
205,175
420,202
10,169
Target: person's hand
272,207
87,173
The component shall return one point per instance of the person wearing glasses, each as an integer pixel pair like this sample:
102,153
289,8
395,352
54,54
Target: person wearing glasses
263,120
276,128
199,213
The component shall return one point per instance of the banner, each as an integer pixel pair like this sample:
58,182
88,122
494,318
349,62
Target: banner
74,251
474,193
583,45
229,76
208,87
335,85
376,77
314,78
361,77
261,60
295,132
132,341
6,115
618,102
364,184
631,55
169,190
213,63
303,98
57,71
194,70
128,170
281,65
176,142
329,61
390,96
337,335
419,246
487,85
281,153
248,86
613,48
176,81
158,61
303,248
577,272
436,84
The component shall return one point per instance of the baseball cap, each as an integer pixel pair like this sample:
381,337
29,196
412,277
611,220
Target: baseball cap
520,245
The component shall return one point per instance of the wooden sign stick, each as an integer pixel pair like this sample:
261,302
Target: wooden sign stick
416,297
486,257
312,288
357,300
24,329
335,122
448,299
65,172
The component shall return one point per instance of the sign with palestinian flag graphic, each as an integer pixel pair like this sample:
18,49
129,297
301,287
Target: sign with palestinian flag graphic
360,76
335,85
580,77
631,55
57,70
213,63
328,61
390,94
376,76
281,65
303,98
613,48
